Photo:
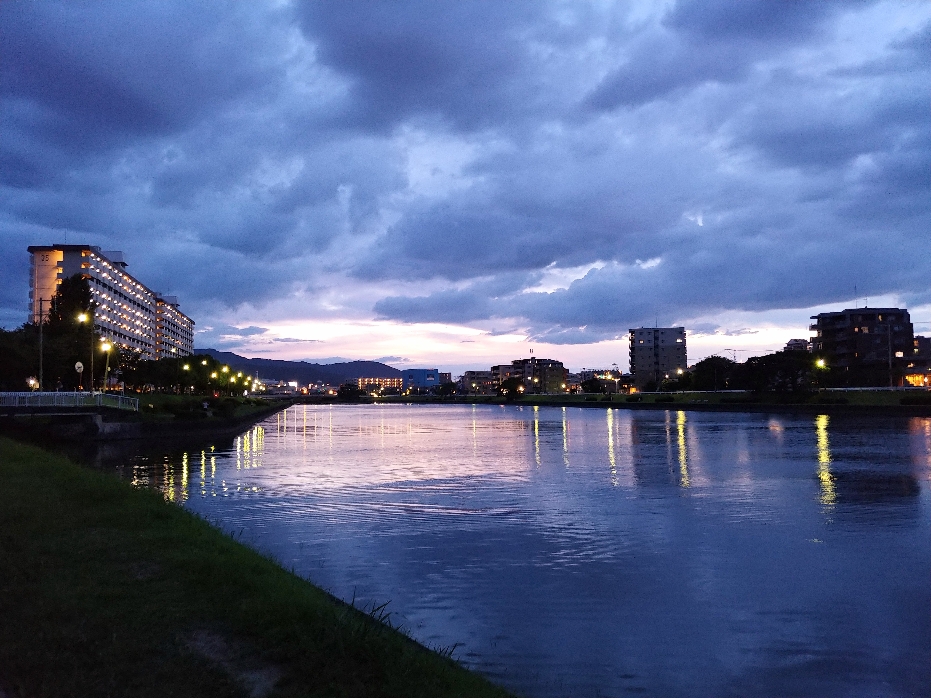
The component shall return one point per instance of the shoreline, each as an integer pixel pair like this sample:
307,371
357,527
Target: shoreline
747,407
107,588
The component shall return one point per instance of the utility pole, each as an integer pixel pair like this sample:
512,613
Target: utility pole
41,352
889,335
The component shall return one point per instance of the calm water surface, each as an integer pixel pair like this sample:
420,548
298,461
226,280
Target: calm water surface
589,552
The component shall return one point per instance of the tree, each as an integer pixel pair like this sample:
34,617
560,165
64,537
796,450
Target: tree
19,357
511,388
715,373
782,372
67,339
592,385
349,391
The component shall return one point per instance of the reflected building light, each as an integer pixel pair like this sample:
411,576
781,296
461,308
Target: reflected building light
612,461
169,481
920,429
203,473
184,474
565,439
828,494
683,451
536,434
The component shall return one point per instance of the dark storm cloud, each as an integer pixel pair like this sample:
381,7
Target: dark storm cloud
698,41
731,154
462,61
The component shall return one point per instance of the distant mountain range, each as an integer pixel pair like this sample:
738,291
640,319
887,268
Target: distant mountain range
302,371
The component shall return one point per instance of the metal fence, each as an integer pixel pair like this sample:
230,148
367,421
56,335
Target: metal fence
64,400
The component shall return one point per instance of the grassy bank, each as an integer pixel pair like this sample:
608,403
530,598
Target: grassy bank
106,590
157,407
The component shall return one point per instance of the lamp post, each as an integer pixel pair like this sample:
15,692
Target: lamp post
106,346
82,318
41,352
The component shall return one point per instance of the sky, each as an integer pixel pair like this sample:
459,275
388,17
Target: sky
451,183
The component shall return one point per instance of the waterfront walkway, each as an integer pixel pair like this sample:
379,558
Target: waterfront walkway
31,401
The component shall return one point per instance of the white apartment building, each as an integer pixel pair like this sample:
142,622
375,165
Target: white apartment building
128,313
655,353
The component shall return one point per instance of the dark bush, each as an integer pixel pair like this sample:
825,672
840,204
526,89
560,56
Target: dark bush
227,407
924,399
633,398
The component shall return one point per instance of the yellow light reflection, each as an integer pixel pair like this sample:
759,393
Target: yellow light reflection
828,494
184,471
683,452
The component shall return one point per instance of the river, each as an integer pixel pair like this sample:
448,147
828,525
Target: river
600,552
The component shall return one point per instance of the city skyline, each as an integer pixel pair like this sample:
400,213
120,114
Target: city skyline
364,181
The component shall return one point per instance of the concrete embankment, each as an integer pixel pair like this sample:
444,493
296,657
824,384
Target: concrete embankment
106,424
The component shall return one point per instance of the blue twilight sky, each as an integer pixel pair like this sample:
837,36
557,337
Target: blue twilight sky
450,183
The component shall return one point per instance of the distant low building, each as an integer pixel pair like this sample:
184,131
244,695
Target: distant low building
445,377
798,345
478,383
656,353
380,383
420,378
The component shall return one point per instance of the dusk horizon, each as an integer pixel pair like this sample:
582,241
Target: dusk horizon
453,184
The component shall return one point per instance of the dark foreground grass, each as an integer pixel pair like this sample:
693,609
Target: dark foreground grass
106,590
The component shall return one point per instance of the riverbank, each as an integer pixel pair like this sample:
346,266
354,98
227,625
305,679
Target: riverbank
109,590
160,417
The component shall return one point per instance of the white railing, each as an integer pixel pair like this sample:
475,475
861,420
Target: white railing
61,399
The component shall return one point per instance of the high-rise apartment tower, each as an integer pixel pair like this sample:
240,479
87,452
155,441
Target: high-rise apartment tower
127,312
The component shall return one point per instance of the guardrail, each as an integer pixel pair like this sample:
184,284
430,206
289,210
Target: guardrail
37,399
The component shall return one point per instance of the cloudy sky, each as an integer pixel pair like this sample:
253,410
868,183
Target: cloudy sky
451,183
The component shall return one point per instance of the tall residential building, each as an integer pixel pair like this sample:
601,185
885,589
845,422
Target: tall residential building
127,312
877,339
655,353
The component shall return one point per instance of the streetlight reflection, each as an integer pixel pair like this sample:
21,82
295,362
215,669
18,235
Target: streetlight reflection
828,494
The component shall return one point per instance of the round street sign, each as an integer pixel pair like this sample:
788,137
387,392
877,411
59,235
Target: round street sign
79,367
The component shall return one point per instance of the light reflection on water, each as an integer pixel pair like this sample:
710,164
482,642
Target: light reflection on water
582,552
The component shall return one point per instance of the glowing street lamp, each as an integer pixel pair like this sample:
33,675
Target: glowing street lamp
82,318
105,346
